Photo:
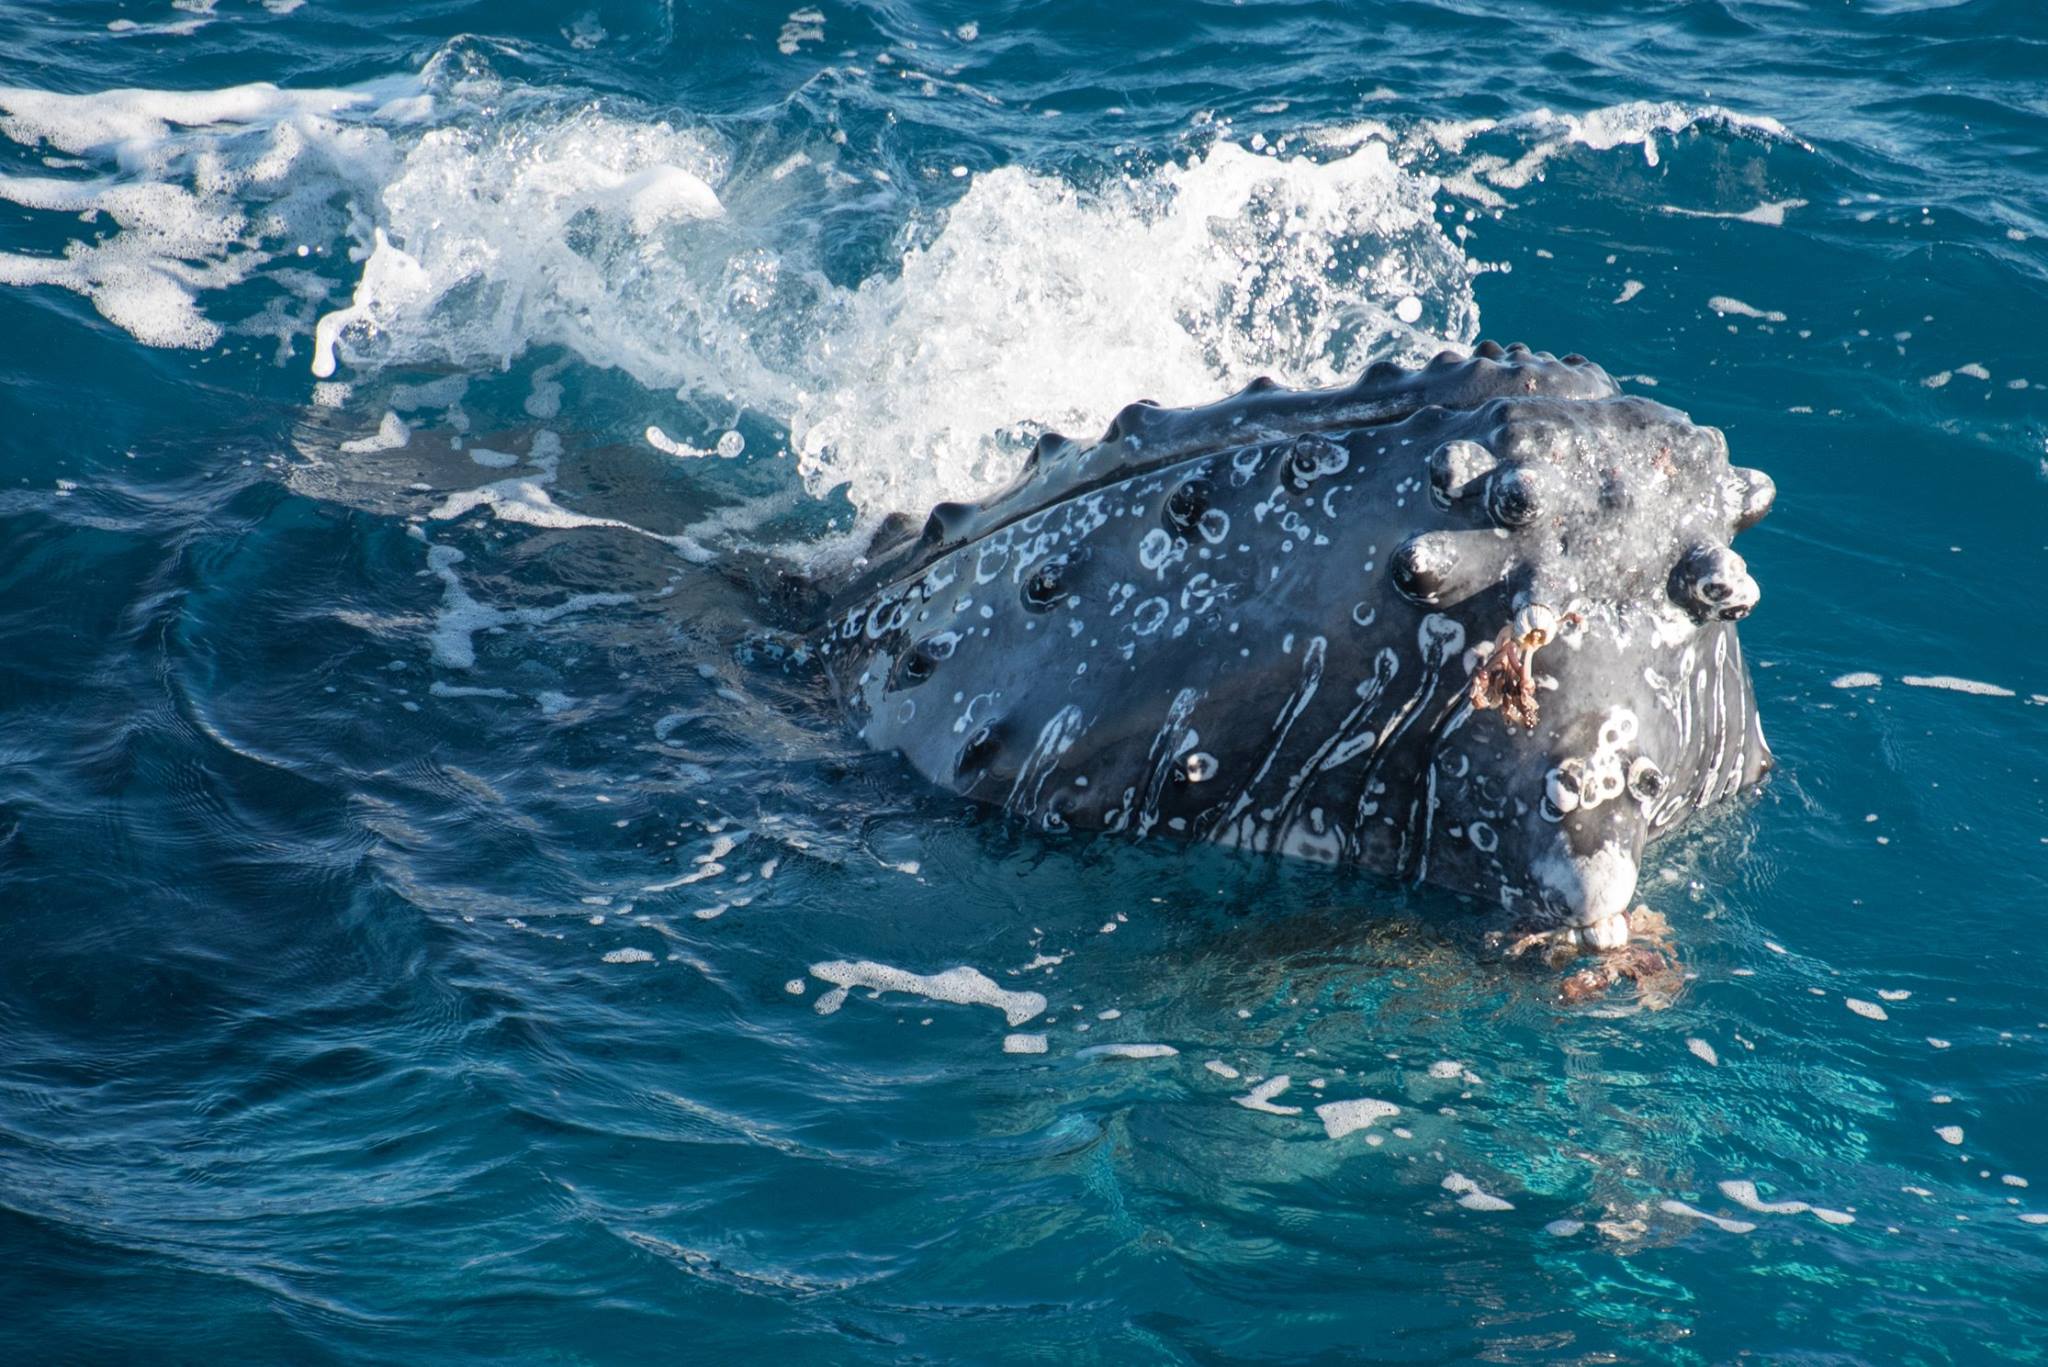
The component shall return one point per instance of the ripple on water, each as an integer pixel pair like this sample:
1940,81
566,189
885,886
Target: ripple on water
408,841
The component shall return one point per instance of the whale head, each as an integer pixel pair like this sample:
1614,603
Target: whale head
1471,624
1613,700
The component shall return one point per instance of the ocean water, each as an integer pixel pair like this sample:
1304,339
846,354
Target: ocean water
424,890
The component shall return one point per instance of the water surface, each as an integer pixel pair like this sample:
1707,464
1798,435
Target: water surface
412,875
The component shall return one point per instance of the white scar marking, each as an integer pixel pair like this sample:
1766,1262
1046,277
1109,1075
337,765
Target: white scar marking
1341,745
1055,738
1172,738
1439,637
1711,788
1305,692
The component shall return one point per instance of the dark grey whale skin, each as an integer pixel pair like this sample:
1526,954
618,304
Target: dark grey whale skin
1255,623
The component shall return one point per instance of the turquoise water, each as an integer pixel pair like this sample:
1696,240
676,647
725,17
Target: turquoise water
412,868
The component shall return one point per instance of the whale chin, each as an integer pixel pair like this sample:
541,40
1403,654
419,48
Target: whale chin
1593,891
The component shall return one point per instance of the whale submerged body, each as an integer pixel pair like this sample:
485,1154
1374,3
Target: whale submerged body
1471,625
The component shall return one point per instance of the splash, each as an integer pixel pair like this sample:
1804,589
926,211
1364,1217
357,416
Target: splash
1043,301
1541,135
179,197
458,221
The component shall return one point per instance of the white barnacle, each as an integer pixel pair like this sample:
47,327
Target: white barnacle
1536,625
1604,780
1154,549
1646,780
1561,787
1618,730
1609,932
1200,766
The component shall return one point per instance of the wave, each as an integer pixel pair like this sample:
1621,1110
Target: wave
459,220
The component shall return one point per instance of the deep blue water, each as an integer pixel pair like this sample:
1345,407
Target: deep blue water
407,958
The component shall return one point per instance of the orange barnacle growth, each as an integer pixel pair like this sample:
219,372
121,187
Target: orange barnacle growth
1506,679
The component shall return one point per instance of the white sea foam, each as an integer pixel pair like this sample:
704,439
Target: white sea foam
482,219
136,124
1472,1196
1955,685
1260,1098
178,198
704,866
1858,679
448,690
1744,1193
963,986
391,434
1182,280
452,641
1133,1051
517,233
525,499
488,221
669,446
1769,213
1722,304
1546,134
1343,1117
1722,1222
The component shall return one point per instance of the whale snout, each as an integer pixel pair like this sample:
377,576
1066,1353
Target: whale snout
1588,889
1590,893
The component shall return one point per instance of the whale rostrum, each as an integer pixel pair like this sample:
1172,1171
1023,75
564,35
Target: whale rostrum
1472,624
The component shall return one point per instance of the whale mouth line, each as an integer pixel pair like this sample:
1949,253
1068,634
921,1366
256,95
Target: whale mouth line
1610,932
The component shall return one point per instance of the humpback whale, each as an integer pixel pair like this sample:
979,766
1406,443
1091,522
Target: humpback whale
1471,625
